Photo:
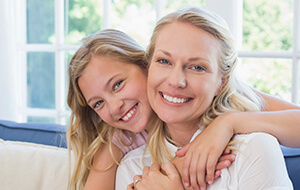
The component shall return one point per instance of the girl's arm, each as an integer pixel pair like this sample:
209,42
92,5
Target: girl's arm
154,178
98,180
280,119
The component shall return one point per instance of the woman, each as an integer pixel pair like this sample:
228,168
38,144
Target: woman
190,84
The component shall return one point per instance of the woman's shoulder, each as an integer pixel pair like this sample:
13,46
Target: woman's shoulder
256,138
255,146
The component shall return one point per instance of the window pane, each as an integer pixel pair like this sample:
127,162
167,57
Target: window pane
40,21
272,76
33,119
173,5
40,80
81,19
136,18
267,25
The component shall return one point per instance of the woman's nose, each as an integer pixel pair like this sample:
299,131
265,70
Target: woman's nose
177,78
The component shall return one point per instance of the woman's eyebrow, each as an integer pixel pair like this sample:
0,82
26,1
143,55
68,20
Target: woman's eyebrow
164,52
198,58
190,59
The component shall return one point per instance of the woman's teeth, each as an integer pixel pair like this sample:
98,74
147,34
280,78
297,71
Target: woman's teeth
174,99
129,114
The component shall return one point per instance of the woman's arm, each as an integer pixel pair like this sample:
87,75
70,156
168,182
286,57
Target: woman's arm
99,179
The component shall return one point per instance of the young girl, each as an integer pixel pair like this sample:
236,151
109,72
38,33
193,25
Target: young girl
110,110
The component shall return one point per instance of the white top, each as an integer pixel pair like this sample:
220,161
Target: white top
259,164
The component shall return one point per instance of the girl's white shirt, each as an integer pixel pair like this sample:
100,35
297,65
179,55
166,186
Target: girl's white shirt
259,165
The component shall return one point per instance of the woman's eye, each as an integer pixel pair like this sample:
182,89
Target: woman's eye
198,68
163,61
97,104
117,85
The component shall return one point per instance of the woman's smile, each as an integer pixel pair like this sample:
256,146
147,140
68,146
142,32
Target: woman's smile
174,99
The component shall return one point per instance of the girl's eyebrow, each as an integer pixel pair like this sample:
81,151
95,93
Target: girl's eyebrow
91,99
105,87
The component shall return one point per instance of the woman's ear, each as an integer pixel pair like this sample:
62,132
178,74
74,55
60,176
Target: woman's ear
224,81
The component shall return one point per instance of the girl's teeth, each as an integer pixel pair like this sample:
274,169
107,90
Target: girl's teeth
129,114
174,99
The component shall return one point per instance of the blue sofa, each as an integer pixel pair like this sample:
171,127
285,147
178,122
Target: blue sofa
54,135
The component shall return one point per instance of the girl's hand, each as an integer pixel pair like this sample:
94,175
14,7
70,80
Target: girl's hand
203,155
158,177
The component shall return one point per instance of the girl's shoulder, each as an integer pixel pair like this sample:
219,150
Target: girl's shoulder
127,141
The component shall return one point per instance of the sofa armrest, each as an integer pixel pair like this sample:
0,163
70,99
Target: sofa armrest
29,166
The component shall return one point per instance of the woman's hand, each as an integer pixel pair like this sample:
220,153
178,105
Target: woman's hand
202,158
158,177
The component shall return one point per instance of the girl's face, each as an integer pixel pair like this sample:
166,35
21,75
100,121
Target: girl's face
183,75
117,92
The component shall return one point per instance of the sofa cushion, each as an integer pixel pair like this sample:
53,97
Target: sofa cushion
42,133
29,166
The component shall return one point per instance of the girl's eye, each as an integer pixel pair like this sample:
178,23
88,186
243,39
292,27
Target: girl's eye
198,68
98,104
163,61
117,85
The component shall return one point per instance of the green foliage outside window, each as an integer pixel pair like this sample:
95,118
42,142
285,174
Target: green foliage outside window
82,18
267,26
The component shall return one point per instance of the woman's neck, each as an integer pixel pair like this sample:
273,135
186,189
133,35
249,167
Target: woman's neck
181,134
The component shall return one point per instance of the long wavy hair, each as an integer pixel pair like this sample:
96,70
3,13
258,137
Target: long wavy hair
235,95
87,132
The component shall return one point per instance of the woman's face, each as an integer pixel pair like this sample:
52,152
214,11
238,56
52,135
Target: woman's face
117,92
183,77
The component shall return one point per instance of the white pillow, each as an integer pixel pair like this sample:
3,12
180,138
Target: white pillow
30,166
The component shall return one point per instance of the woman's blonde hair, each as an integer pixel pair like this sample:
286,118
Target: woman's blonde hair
87,132
234,96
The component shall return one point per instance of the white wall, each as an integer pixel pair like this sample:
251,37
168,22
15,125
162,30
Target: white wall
231,11
8,101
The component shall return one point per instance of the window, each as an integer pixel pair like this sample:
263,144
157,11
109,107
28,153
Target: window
48,32
53,30
270,47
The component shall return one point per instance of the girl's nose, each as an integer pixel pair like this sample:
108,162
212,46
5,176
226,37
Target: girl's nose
116,106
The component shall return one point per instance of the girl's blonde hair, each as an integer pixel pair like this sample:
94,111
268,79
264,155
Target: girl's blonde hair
235,96
87,132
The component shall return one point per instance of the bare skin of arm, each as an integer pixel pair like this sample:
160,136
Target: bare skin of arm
99,179
280,119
